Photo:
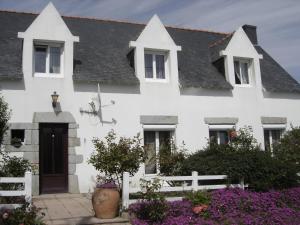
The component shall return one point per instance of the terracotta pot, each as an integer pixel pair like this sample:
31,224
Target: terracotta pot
106,202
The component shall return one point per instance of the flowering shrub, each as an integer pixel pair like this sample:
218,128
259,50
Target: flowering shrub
153,207
108,185
233,206
25,215
150,210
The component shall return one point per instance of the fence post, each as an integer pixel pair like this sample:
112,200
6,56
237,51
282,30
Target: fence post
194,181
242,184
28,186
125,190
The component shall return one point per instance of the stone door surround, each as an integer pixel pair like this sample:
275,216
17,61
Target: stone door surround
30,149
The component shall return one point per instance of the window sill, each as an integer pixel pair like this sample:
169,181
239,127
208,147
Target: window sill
48,75
150,80
243,85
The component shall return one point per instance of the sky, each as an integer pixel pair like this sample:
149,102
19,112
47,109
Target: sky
277,21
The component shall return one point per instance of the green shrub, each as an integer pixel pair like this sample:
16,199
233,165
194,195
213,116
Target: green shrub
114,156
243,158
13,166
153,207
288,148
171,159
198,197
4,117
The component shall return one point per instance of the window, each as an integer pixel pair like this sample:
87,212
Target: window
17,137
48,59
155,66
155,142
241,71
271,137
219,136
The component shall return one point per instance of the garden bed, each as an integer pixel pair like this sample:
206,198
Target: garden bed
225,206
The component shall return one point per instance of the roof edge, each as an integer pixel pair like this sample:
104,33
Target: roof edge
120,21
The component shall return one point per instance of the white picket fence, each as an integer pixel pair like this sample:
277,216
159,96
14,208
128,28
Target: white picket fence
165,180
27,193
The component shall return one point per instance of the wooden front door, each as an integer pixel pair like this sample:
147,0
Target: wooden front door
53,158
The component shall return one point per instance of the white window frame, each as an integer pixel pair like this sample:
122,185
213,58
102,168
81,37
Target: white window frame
157,129
221,127
166,58
270,127
249,63
47,74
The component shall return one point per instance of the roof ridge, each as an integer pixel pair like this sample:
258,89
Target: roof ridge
119,21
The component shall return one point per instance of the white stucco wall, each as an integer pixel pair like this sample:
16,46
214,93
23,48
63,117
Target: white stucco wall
191,106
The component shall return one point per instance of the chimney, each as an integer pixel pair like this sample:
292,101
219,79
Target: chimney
250,30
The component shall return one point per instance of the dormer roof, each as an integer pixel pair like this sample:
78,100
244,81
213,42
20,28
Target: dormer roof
102,53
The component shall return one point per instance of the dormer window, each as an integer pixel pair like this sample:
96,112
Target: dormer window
48,60
242,71
155,68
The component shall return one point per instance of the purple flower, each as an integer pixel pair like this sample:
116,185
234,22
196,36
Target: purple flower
109,185
234,206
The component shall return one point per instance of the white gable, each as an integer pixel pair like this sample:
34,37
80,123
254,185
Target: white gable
240,45
155,33
155,36
49,26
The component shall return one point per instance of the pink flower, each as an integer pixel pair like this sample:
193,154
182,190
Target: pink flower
5,215
199,208
233,134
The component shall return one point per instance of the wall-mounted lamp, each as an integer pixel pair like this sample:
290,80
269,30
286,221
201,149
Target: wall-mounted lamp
54,97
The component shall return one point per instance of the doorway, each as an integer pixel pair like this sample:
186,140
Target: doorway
53,154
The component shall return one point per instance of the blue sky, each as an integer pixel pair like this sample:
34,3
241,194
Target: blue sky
278,21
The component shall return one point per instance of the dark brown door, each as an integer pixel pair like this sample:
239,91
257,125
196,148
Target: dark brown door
53,158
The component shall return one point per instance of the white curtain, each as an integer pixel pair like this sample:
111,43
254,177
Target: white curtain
237,72
54,60
160,66
245,76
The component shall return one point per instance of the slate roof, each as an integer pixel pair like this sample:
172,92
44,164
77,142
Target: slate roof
11,45
103,53
274,77
219,45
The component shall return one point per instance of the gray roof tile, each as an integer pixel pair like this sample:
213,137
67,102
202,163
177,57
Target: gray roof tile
274,77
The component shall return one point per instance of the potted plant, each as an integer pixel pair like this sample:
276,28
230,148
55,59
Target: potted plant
112,157
16,142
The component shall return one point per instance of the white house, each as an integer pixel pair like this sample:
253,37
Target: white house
160,81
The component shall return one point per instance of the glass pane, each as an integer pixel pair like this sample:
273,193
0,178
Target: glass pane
165,141
237,72
160,66
54,59
40,54
213,136
150,148
148,66
267,140
164,151
275,136
245,75
223,137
